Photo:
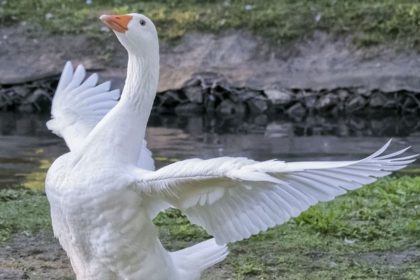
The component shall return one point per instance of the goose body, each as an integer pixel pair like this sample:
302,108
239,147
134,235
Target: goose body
105,192
105,230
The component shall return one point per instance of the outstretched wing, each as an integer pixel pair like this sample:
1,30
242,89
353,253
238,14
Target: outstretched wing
79,103
233,198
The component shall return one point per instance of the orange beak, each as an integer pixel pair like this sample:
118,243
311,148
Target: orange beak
116,22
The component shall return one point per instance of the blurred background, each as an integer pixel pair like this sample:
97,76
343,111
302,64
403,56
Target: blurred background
295,79
292,80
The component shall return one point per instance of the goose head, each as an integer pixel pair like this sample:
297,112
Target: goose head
136,33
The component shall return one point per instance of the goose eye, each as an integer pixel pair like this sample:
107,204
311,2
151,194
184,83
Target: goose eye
142,22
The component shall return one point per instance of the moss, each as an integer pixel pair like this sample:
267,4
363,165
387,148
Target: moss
369,21
372,233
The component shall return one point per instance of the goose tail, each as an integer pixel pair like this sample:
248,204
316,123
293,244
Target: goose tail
192,261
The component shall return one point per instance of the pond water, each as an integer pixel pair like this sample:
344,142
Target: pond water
27,148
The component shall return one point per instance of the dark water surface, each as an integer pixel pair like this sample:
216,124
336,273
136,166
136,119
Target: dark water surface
27,148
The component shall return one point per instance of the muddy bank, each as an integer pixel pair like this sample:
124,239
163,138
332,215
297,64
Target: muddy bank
233,72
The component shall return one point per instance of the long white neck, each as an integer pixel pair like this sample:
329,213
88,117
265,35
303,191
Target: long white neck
141,83
119,135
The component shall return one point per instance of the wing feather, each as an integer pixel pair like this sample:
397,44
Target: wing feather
234,198
79,104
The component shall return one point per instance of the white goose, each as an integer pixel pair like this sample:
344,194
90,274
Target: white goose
104,193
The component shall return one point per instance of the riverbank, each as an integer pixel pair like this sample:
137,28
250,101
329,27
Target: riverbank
231,73
261,59
372,232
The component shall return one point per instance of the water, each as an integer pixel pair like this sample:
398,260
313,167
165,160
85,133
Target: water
27,148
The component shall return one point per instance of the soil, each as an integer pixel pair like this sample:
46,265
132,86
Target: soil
36,256
319,62
39,257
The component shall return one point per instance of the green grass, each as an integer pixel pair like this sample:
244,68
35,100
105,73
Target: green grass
22,210
361,235
370,22
351,237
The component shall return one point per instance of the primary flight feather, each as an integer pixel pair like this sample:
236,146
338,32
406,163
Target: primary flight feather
105,192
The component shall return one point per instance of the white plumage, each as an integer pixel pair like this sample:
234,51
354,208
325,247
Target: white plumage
233,198
79,104
105,192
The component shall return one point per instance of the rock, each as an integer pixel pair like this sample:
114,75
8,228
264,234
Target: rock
228,107
210,103
21,91
363,91
194,94
327,102
307,97
261,120
305,93
39,100
310,101
410,103
247,94
38,93
189,108
257,106
334,111
279,97
296,110
342,94
26,108
234,96
163,110
195,81
220,94
170,99
378,100
6,98
356,103
223,83
240,108
210,79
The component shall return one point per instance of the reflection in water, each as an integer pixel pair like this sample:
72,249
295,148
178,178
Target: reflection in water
313,138
35,179
390,126
27,147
